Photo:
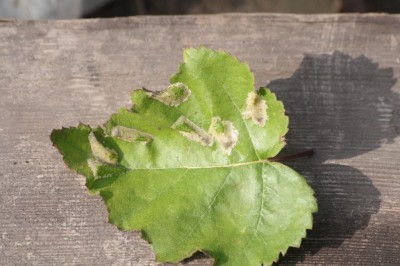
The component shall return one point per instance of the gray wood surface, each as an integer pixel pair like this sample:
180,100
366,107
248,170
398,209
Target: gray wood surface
337,76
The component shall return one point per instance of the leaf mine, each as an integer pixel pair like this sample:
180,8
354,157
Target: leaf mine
94,166
130,134
224,133
256,109
192,132
100,152
174,95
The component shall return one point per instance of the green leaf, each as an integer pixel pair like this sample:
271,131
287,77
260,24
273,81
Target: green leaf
189,166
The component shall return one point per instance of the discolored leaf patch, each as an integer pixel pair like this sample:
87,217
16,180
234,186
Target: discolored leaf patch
256,109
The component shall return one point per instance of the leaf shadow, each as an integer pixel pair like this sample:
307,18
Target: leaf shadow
342,107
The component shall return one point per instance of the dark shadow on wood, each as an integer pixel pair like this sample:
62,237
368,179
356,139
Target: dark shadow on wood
342,107
196,257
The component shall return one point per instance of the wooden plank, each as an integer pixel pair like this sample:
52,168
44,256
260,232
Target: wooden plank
337,76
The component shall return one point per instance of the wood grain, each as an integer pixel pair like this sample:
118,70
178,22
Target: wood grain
337,76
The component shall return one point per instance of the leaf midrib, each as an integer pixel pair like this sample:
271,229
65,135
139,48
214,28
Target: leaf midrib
205,167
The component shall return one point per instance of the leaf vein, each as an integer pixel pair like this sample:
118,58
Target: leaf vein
205,167
210,205
162,192
259,217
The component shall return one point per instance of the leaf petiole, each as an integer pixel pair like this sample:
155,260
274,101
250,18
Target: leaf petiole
306,153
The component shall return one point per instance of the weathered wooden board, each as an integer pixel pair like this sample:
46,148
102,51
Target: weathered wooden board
337,76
